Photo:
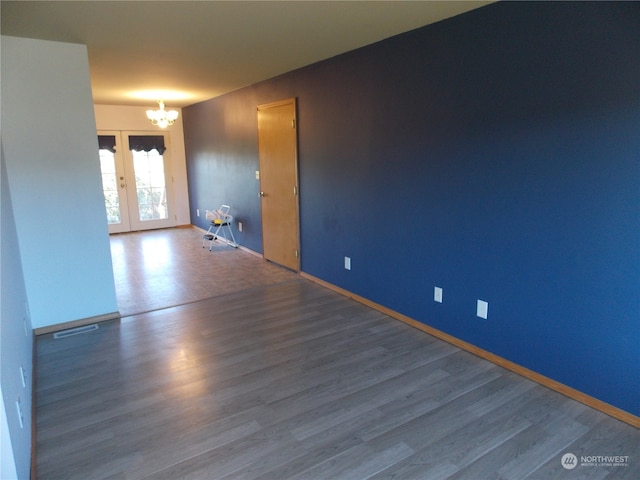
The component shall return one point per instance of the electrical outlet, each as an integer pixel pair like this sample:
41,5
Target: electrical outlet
347,263
197,212
239,226
437,294
482,309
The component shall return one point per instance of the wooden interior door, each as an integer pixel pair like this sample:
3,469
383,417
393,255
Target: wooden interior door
278,152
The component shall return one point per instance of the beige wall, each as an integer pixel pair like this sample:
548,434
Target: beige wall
115,117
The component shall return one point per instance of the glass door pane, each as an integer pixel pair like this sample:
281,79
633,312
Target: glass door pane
114,185
149,185
151,190
110,186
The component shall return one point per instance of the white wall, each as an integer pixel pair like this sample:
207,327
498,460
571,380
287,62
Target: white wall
49,138
16,345
114,117
7,464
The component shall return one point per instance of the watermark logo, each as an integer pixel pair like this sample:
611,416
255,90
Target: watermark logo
569,461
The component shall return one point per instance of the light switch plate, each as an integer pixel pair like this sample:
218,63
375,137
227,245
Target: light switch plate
347,263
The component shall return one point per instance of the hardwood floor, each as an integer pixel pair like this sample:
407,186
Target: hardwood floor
284,379
163,268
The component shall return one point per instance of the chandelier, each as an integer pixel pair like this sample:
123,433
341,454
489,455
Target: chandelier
161,117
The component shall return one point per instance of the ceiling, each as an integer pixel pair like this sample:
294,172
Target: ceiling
189,51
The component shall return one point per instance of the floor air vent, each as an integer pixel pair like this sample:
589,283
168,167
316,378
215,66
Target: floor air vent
75,331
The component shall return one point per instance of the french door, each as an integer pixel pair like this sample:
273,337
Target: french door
136,183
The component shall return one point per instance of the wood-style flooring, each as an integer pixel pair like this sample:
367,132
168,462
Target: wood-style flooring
283,379
163,268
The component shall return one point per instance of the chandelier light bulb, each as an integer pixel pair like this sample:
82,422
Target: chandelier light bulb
161,117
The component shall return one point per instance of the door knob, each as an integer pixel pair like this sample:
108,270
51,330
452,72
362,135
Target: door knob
261,194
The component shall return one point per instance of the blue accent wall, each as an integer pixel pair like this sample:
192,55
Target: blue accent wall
495,154
221,146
